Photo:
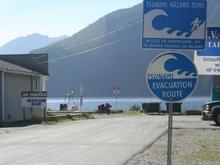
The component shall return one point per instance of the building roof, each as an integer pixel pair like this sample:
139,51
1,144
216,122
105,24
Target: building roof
12,68
28,63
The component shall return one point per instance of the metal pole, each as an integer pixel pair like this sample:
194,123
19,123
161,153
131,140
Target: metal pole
81,96
116,97
24,116
45,114
170,127
81,103
3,96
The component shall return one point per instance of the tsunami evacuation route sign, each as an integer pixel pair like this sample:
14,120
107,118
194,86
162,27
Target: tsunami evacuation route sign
171,77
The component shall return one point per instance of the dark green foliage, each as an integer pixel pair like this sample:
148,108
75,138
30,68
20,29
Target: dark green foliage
135,108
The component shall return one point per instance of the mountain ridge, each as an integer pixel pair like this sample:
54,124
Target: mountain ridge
108,53
25,44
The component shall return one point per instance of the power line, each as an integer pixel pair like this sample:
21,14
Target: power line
110,33
85,51
93,39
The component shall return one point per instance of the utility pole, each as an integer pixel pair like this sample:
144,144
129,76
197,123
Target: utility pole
81,96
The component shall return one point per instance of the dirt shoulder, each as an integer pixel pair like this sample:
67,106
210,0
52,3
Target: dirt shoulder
192,145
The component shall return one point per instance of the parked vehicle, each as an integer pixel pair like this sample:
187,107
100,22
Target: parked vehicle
211,110
104,108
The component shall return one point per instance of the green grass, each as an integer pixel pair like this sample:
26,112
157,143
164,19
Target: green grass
205,155
210,142
55,121
209,151
68,118
132,113
84,116
135,108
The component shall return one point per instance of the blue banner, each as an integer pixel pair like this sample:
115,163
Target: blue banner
212,43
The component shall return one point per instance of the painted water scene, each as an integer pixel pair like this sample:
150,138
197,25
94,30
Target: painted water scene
129,82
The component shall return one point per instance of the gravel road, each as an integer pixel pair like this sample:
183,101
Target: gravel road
195,142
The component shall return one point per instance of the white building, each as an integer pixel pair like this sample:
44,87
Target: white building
21,73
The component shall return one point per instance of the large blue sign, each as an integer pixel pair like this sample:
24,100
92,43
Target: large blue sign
171,76
208,61
174,24
212,43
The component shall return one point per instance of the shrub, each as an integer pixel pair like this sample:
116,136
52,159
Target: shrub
135,108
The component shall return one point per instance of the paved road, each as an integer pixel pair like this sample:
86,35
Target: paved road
110,141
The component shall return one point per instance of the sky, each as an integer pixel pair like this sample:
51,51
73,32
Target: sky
52,17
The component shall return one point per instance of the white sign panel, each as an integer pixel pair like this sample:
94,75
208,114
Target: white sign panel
34,99
116,90
208,61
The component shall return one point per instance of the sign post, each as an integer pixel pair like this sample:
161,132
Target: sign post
81,89
170,134
116,91
171,77
24,115
174,24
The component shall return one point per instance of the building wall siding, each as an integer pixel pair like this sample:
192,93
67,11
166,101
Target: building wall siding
14,85
0,96
36,113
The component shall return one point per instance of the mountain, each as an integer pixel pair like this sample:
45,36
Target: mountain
27,43
108,53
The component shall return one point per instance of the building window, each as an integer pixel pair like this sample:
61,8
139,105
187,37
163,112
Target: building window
34,83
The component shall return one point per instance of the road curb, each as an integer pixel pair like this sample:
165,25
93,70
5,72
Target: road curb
147,146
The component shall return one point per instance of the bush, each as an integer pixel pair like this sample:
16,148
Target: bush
87,116
117,111
135,108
